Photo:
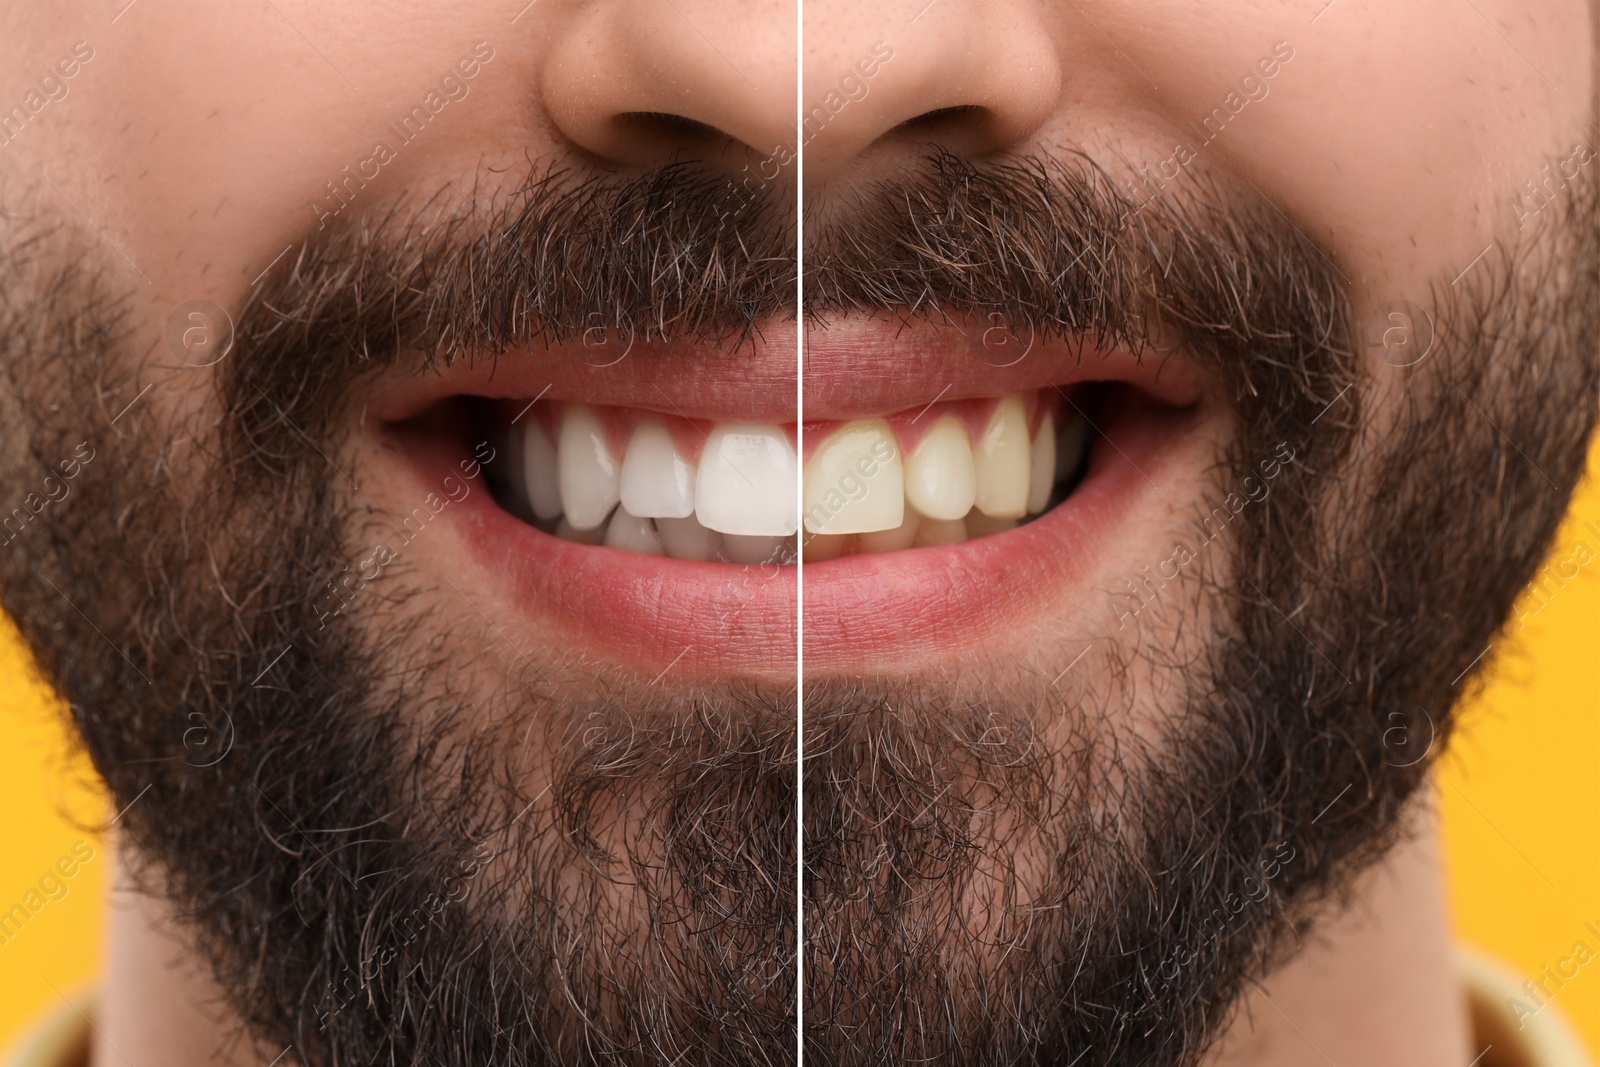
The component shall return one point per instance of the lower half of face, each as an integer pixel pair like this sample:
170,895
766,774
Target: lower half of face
476,688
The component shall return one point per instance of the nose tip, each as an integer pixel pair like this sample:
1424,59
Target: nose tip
969,78
648,81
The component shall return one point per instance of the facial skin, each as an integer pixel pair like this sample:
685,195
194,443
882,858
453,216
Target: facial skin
1007,802
552,787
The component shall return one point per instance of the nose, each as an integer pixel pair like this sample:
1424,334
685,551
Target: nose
644,82
885,81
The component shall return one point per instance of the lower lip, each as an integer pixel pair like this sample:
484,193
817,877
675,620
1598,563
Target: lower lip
672,621
677,620
902,611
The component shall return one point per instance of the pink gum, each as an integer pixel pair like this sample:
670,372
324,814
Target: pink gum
688,435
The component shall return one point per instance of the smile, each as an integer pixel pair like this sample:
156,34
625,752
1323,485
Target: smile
660,506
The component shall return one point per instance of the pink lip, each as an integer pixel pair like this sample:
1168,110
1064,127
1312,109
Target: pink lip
685,620
753,383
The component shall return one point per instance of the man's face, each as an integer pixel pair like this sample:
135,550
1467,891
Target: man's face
1162,405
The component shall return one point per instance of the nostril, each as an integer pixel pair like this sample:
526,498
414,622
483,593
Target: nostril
942,118
662,123
657,136
966,129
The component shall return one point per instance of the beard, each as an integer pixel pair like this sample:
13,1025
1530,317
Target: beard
387,864
1003,870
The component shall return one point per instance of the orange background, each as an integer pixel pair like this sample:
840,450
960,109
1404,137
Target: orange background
1520,794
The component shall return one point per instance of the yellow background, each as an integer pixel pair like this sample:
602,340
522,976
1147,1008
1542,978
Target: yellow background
1520,794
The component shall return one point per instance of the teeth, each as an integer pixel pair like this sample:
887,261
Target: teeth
859,492
933,532
1001,462
1072,441
981,525
751,550
685,538
893,540
819,547
513,475
940,478
590,474
541,474
746,482
657,482
567,532
854,482
632,532
1042,466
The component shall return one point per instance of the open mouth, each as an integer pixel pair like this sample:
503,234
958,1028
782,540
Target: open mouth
642,481
625,504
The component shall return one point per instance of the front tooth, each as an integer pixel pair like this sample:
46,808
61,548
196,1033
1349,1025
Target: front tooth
939,532
751,550
746,482
854,482
590,474
657,482
686,539
1001,462
633,533
1042,465
892,540
540,472
940,478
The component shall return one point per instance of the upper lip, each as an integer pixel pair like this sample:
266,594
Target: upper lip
871,366
855,368
752,382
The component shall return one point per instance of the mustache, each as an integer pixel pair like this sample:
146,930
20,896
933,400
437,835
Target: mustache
1040,248
674,253
1050,246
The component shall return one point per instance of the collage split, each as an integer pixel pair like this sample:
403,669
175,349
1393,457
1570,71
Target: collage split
956,533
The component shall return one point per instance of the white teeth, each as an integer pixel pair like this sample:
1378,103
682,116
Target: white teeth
1042,465
858,492
940,478
933,532
1001,462
633,533
657,482
590,474
686,539
854,482
541,474
891,540
751,550
746,482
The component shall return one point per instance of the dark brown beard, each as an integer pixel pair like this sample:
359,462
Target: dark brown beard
1020,880
310,853
370,871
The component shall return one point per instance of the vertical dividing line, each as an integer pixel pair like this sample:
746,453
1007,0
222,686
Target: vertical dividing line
800,566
